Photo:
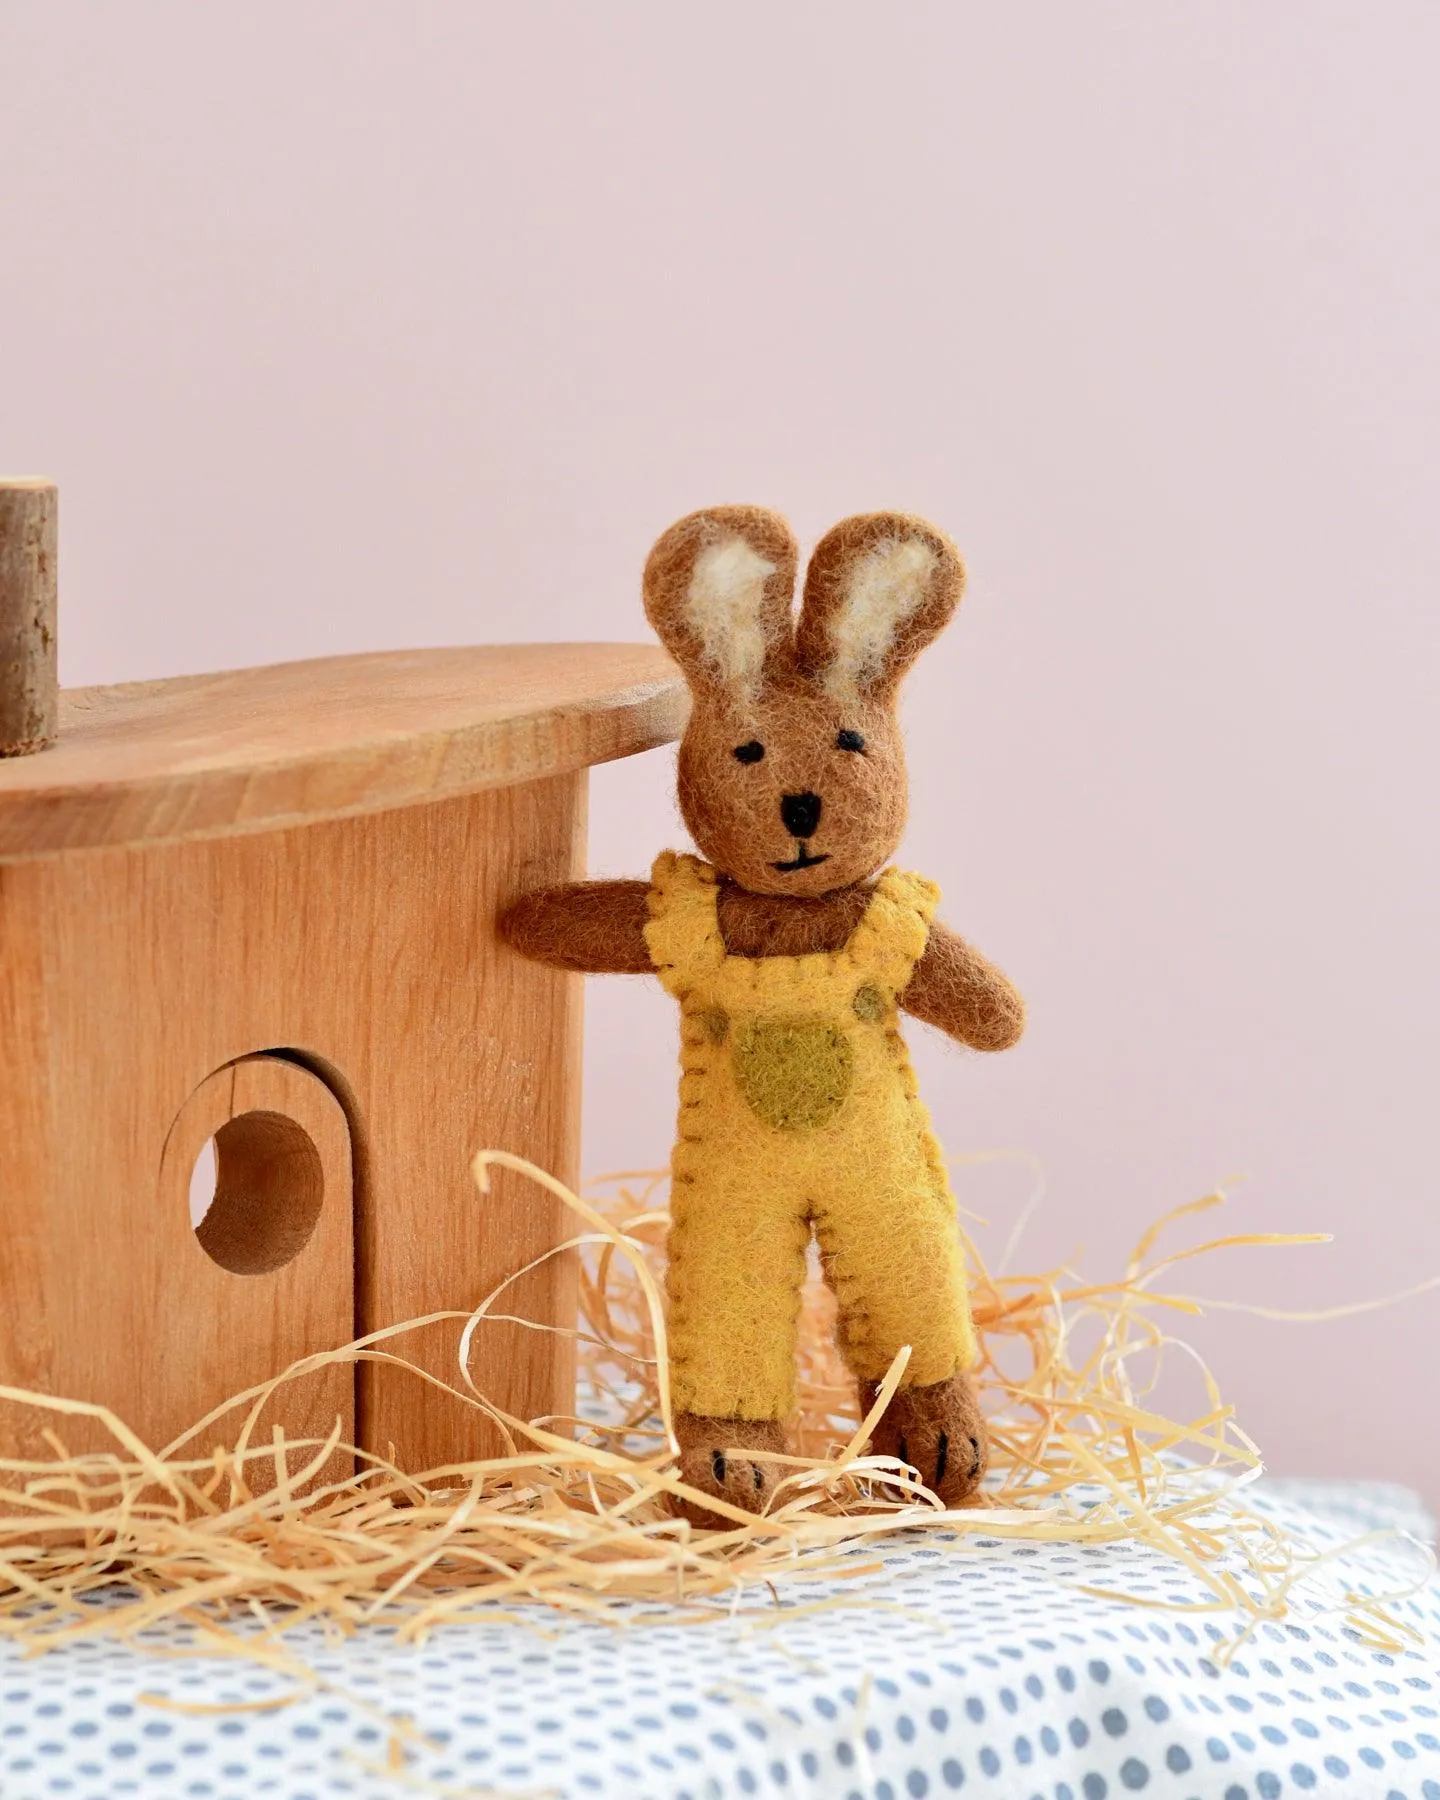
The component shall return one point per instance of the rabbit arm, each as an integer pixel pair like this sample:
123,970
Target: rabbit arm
954,988
595,927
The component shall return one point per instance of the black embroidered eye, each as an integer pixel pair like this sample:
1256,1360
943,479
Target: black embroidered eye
751,752
847,740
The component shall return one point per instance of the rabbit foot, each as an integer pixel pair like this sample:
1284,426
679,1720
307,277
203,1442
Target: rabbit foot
938,1430
713,1459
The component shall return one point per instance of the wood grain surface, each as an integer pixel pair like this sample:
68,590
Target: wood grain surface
255,749
363,949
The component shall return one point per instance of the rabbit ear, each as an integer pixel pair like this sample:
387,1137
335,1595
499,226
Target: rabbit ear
718,590
879,588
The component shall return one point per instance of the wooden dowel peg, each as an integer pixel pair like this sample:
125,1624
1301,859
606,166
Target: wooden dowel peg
29,668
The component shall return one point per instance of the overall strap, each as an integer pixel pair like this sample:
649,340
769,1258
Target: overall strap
683,935
891,938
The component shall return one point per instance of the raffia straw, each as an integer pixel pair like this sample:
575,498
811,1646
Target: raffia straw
240,1541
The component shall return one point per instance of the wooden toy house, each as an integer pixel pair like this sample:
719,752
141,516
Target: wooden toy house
258,907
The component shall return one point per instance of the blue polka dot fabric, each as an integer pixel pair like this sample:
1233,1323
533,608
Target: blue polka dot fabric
954,1668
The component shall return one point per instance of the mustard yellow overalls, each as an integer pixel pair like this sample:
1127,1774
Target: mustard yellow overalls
798,1108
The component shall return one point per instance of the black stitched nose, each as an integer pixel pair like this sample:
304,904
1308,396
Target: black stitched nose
800,813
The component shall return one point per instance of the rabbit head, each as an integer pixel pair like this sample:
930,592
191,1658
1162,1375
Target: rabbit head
791,774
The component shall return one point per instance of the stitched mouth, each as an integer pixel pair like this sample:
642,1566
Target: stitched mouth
803,861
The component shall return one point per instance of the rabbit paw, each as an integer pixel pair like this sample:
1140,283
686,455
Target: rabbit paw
713,1459
938,1430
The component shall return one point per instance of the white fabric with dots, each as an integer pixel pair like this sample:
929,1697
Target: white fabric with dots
970,1669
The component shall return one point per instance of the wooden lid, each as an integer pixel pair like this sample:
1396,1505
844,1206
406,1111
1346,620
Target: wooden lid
259,749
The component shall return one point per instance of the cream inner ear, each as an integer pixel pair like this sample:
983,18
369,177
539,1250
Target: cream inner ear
886,586
727,588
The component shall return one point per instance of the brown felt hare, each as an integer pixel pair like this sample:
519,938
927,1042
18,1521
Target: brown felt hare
792,951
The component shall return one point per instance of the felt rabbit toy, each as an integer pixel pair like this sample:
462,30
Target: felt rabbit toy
792,955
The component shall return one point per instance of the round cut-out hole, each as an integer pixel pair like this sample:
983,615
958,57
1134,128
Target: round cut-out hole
268,1189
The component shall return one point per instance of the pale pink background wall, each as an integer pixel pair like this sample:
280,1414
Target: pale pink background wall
355,326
